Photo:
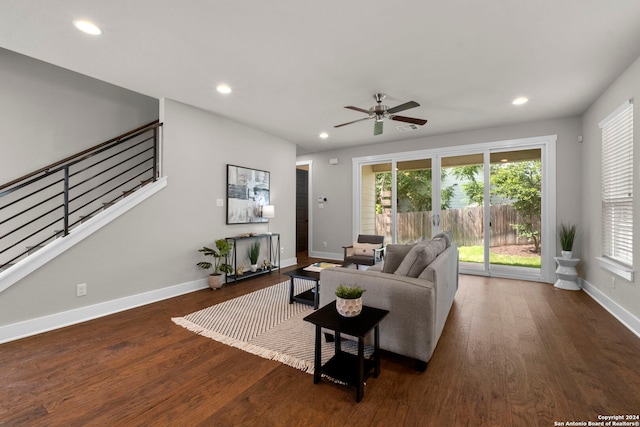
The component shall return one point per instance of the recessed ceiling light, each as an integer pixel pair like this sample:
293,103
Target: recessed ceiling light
87,27
520,101
223,88
324,135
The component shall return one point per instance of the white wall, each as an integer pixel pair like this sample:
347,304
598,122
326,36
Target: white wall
625,294
154,246
333,224
48,113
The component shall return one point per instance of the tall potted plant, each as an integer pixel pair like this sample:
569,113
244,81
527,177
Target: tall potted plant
254,254
222,249
567,235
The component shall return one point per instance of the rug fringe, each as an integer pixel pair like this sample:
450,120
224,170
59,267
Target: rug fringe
265,353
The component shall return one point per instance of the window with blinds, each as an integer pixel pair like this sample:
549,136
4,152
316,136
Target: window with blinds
617,185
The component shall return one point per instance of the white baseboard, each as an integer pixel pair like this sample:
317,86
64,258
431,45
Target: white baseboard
31,327
327,255
627,319
60,320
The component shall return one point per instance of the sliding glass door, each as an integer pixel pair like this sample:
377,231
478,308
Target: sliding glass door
376,187
462,206
516,210
492,199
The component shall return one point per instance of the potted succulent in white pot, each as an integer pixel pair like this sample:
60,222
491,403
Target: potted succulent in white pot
223,248
567,235
349,300
254,254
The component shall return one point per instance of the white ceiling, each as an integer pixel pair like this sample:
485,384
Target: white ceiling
293,64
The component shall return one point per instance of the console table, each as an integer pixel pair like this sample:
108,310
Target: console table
273,255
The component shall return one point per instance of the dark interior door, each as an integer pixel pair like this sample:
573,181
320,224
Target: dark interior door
302,210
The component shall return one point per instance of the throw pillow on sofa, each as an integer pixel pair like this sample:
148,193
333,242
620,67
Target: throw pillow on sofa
365,249
420,256
394,254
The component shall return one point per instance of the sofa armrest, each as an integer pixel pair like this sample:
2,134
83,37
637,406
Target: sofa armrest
443,271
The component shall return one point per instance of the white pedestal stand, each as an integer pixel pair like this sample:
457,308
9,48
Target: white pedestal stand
567,274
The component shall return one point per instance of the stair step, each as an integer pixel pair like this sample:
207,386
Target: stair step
84,218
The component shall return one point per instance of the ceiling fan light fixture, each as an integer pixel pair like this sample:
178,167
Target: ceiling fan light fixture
87,27
521,100
380,112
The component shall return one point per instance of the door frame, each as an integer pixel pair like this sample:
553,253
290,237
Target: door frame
547,145
309,164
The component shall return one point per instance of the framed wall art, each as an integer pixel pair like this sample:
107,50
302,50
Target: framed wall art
247,191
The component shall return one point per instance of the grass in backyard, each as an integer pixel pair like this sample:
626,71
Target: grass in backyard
476,254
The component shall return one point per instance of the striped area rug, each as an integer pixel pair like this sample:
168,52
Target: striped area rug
265,324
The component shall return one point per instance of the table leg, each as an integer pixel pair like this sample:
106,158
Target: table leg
291,292
338,343
318,356
316,295
360,385
376,352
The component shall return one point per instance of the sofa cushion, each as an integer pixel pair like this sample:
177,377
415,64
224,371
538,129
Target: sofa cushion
365,249
419,257
394,254
447,235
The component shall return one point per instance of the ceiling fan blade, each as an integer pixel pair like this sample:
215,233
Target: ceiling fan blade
377,128
355,121
420,122
402,107
362,110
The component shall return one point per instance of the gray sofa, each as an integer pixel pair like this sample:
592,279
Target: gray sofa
418,306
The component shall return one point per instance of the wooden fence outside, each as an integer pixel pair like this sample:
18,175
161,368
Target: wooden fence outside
467,225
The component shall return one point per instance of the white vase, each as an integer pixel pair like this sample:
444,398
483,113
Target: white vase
566,254
254,268
349,307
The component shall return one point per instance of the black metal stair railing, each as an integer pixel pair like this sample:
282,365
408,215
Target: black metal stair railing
48,203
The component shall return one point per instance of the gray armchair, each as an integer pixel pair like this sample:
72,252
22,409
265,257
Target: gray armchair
367,250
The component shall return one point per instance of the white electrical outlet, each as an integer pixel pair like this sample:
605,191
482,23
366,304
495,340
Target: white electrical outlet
324,244
81,290
220,203
281,250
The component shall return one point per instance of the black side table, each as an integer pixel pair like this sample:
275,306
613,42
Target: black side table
310,296
343,366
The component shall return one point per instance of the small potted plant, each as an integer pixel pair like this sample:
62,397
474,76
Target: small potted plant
349,300
223,248
567,235
254,254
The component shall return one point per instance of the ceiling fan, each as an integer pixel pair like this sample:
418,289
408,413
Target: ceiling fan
380,112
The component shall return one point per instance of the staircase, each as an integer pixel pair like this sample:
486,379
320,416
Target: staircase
50,203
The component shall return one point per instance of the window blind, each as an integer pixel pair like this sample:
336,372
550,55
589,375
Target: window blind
617,185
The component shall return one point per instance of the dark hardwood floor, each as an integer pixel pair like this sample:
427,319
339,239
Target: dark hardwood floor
513,353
